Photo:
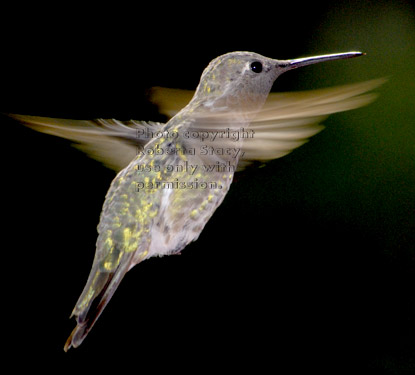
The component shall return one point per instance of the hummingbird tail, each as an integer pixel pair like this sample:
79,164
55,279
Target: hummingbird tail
95,296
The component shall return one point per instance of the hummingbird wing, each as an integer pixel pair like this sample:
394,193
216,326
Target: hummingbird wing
113,143
288,120
170,101
285,122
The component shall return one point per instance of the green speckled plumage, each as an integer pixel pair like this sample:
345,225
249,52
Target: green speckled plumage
132,216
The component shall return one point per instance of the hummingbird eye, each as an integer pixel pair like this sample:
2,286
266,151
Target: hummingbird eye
256,67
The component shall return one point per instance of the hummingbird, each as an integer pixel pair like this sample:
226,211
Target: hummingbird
172,177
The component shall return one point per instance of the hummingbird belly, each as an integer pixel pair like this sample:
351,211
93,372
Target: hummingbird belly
185,210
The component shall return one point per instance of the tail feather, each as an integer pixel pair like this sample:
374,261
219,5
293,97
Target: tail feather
95,297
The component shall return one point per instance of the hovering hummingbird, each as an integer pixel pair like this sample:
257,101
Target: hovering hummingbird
173,176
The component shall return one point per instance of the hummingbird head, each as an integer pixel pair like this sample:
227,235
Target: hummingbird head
243,80
237,79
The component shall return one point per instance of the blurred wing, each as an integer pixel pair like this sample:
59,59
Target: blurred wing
288,120
170,101
285,122
111,142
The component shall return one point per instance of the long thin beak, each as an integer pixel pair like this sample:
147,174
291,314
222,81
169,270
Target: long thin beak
296,63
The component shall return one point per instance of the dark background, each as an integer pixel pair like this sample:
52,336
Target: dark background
308,264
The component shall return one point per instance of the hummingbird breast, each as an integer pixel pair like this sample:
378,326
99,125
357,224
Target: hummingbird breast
161,201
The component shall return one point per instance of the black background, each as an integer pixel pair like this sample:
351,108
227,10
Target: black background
303,267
